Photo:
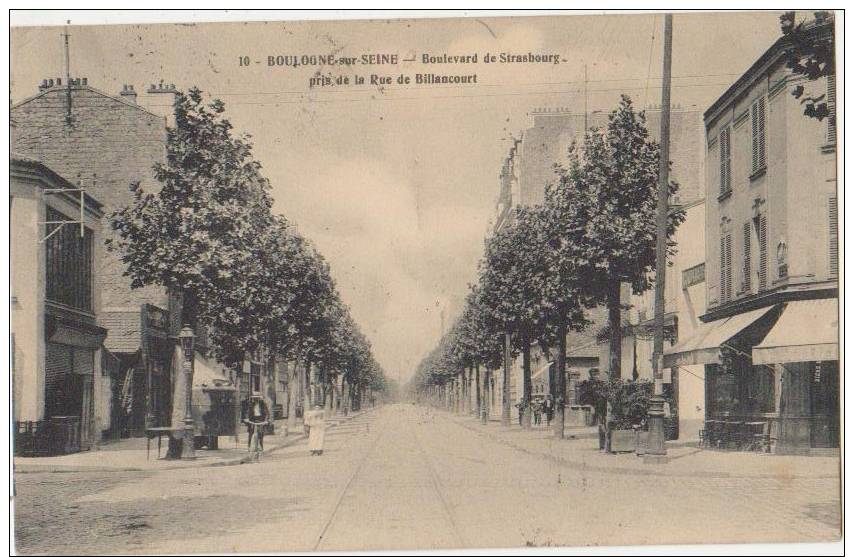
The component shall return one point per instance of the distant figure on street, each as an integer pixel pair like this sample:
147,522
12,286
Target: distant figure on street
317,430
255,413
537,407
548,408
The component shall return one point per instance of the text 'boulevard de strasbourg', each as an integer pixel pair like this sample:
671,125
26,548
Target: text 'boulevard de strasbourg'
294,61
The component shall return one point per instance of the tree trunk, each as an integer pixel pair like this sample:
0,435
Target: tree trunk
345,396
293,394
308,394
560,383
484,413
526,385
478,388
469,374
505,392
615,330
328,396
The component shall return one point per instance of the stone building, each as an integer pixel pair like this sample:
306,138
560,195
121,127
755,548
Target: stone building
769,337
60,399
526,171
104,143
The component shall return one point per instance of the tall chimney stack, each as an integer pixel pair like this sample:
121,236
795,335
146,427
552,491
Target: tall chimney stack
128,93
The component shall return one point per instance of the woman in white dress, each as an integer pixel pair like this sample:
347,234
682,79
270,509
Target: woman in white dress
317,430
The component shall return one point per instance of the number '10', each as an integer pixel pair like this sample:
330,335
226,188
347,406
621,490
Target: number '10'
244,60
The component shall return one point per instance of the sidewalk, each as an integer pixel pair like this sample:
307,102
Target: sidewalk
580,450
129,455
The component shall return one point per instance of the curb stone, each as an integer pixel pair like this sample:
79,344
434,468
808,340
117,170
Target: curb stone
620,470
244,459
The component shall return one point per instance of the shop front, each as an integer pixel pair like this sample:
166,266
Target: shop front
69,412
772,378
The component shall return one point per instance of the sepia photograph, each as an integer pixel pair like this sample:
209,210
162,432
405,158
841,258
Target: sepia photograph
364,281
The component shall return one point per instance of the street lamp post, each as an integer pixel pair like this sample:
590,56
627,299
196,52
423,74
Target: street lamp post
188,449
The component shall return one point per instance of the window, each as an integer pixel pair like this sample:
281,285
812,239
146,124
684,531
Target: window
726,267
831,107
726,161
757,119
69,263
833,235
760,390
723,391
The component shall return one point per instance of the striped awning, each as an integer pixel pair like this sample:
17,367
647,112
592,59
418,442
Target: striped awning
807,331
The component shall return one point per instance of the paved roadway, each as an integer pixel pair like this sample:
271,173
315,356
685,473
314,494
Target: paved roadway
406,477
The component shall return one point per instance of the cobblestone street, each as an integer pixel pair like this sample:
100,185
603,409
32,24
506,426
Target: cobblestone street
407,477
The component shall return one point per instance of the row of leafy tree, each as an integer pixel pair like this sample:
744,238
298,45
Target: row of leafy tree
246,275
552,262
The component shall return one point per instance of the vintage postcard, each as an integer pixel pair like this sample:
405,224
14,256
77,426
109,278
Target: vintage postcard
455,281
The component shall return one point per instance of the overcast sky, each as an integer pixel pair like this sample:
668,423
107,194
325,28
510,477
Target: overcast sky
397,185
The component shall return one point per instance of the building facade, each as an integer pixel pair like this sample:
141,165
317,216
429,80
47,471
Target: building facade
60,397
529,168
769,337
685,303
104,143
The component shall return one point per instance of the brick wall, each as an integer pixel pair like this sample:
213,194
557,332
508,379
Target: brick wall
109,144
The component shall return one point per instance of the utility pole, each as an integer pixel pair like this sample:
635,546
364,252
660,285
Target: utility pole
585,101
657,450
67,79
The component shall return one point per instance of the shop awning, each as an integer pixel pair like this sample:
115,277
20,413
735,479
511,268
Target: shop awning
807,331
703,347
208,375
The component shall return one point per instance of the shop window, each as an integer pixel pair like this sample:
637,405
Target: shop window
725,392
760,390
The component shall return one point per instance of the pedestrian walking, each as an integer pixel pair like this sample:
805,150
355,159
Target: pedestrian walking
317,430
548,408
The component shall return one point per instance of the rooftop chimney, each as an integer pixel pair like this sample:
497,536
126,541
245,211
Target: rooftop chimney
160,99
128,93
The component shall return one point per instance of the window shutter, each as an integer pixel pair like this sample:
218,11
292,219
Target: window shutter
763,253
722,151
723,269
832,222
726,160
831,107
726,267
746,267
754,129
760,108
729,266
